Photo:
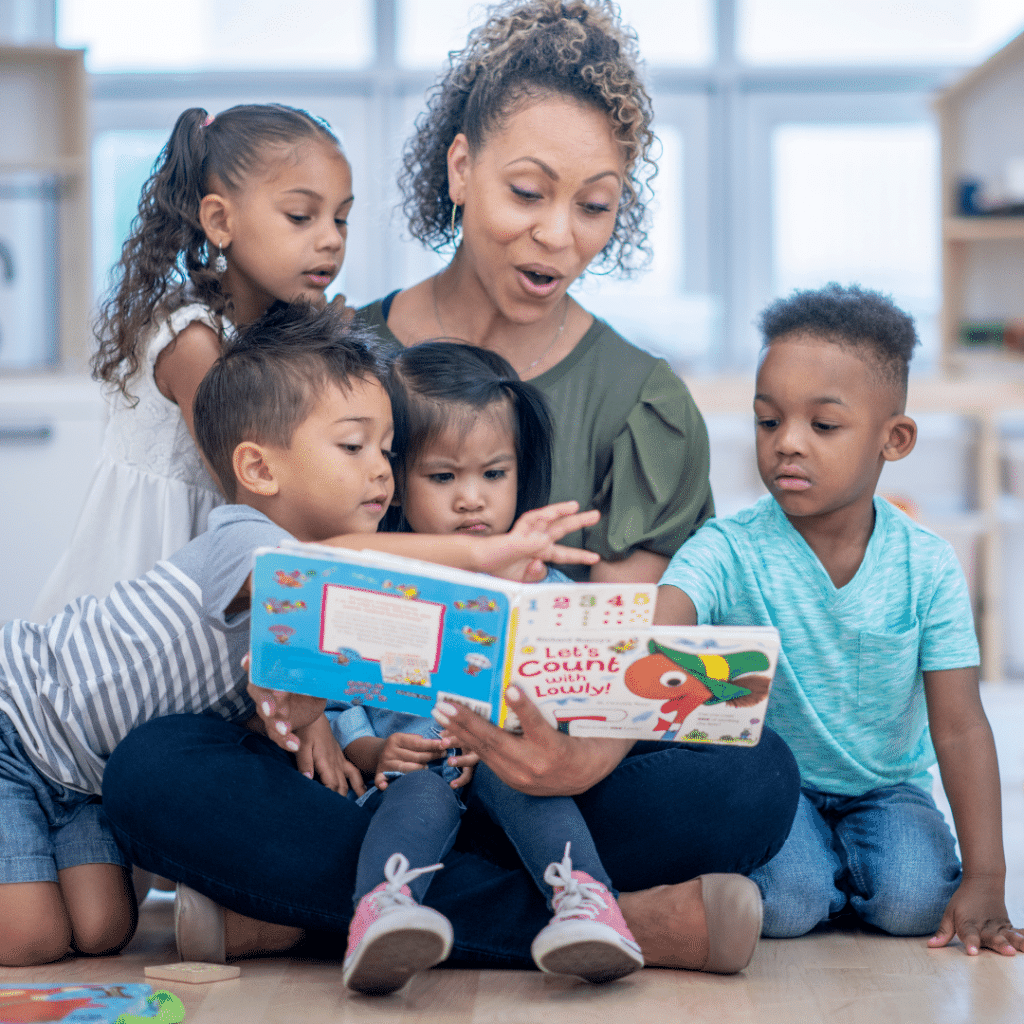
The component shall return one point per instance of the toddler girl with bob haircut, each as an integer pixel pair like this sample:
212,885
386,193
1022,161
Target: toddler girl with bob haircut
475,444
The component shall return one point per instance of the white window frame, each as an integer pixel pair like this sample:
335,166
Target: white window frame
725,112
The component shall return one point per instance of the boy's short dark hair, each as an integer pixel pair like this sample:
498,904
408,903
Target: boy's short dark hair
852,317
270,377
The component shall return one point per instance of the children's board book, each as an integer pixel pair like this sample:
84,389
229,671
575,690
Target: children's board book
74,1004
370,628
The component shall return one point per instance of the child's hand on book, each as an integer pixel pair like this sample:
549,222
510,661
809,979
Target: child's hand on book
405,752
521,553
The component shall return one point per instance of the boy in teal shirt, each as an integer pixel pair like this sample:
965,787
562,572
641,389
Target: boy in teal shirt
878,675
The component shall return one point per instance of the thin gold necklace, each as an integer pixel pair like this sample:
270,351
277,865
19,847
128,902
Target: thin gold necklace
539,359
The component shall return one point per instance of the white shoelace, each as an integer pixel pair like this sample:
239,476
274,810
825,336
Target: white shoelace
572,897
398,873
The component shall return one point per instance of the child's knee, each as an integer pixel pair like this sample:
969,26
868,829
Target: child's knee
794,909
34,926
798,885
101,908
103,936
907,901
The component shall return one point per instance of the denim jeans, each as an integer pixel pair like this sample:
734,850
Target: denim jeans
888,854
539,827
222,809
417,815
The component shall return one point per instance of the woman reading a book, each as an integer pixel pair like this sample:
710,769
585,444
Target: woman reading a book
533,154
532,161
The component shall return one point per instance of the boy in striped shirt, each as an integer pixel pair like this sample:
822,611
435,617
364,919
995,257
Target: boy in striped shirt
297,425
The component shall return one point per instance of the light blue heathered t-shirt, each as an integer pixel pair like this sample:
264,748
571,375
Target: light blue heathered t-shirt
848,695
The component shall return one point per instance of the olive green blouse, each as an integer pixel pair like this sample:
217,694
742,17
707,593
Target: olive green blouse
629,440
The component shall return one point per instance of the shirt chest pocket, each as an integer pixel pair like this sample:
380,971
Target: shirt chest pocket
887,668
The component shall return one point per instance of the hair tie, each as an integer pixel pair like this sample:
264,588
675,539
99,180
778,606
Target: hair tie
209,120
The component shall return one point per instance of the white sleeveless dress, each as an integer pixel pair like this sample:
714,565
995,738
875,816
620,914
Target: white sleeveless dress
150,493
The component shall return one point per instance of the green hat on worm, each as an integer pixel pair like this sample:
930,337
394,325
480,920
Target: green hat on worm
715,670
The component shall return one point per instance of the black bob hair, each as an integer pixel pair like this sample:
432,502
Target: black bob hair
852,317
434,384
270,377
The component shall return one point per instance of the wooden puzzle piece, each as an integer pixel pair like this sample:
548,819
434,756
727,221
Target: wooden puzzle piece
194,973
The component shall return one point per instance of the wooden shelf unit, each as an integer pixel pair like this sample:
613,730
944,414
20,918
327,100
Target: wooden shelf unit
982,279
44,107
982,256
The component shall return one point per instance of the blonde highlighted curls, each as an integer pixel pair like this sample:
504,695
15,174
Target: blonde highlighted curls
576,49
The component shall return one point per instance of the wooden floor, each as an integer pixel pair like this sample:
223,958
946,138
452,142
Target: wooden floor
832,977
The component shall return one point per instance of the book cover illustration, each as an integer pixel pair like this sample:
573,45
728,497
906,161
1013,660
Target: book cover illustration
698,684
363,627
336,625
73,1004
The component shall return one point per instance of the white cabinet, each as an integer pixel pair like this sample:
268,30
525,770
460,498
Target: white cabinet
45,250
50,435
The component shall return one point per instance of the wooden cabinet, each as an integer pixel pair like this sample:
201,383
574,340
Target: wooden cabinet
981,131
44,152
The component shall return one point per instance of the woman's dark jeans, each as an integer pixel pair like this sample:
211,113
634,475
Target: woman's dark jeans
224,810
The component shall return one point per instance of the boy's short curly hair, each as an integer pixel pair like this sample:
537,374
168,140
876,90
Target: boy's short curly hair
271,376
529,48
852,317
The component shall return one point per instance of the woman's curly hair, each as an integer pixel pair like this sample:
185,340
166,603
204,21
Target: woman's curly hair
573,48
165,259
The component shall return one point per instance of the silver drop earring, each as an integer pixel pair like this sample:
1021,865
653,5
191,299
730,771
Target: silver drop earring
220,261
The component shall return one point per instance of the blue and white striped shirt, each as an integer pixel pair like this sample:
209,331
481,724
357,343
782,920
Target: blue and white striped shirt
75,686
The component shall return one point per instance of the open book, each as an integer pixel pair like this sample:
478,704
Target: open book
369,628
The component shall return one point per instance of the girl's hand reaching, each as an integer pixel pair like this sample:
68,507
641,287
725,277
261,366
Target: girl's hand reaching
340,303
521,553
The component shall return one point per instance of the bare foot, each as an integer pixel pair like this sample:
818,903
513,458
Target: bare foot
668,921
245,936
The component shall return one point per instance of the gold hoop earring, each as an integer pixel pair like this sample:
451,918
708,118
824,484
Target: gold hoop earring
454,211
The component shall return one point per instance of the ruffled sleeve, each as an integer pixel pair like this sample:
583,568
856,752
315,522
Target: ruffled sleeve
174,324
656,491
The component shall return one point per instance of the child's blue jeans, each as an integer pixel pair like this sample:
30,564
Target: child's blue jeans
418,815
211,804
888,854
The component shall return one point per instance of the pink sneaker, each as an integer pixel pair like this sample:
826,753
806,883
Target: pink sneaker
587,938
391,936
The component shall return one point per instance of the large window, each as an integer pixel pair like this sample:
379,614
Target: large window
798,141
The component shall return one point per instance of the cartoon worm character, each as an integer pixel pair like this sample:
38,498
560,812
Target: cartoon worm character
684,681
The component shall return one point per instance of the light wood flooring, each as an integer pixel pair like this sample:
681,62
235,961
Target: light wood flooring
831,977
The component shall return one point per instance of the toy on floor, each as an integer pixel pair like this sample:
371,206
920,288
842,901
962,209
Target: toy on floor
194,973
170,1010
